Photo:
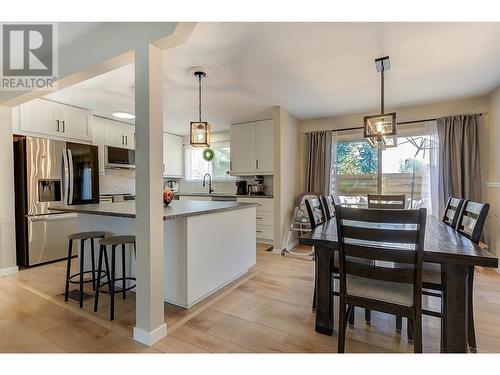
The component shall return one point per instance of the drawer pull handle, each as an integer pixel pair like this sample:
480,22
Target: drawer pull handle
258,231
259,218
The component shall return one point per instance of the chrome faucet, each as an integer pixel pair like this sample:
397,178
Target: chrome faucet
210,190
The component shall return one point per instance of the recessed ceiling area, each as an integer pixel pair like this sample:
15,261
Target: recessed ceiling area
311,69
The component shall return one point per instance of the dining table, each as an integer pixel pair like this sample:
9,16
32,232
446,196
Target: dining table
443,245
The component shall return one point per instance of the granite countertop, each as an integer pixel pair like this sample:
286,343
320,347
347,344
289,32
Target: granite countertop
175,210
224,195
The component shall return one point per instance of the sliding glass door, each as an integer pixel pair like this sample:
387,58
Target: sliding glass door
356,171
403,169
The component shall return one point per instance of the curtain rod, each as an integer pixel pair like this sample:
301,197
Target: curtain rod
398,123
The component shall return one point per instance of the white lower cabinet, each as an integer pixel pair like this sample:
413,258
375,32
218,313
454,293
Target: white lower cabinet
264,218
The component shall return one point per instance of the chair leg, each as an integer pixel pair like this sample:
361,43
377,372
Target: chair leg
68,269
368,317
399,323
99,269
82,261
409,328
417,333
93,262
112,284
470,324
350,316
342,325
124,285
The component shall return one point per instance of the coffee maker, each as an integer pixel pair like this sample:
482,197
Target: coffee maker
241,187
258,188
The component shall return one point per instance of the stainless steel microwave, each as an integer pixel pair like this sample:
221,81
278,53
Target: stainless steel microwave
117,157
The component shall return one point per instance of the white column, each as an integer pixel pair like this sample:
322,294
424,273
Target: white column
7,225
150,325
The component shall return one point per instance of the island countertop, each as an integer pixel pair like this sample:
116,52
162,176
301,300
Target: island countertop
176,209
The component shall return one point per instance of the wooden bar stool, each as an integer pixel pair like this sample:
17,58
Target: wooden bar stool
114,242
82,237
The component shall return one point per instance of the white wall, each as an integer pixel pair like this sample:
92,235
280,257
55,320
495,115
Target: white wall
492,178
7,220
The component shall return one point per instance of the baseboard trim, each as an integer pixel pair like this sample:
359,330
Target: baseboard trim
150,338
8,271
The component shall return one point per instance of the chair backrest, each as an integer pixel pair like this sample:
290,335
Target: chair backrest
316,212
472,219
452,211
385,236
329,203
385,201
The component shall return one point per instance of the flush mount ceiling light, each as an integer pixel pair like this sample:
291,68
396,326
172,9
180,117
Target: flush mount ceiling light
199,133
123,115
380,130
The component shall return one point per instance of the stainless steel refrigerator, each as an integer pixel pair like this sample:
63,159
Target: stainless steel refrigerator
48,173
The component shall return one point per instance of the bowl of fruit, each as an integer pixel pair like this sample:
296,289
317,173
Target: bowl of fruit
168,196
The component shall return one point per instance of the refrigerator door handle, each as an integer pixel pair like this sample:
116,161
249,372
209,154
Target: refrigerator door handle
71,177
66,176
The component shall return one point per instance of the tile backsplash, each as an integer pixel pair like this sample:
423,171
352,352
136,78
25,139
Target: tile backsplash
229,187
117,181
122,181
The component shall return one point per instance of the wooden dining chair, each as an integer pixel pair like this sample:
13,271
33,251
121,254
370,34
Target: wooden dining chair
471,224
431,274
385,201
381,236
317,216
452,211
329,203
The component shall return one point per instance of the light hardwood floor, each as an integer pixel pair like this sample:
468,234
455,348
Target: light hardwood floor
268,310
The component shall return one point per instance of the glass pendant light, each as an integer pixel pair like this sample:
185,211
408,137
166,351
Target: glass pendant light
199,134
380,130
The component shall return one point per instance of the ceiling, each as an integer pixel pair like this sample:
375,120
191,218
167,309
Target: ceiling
70,31
311,69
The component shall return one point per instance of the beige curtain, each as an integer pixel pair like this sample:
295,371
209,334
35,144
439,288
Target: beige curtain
459,166
319,162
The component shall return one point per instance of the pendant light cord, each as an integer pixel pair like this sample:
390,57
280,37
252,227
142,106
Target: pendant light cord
199,94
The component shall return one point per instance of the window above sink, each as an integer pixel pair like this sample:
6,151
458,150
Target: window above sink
218,167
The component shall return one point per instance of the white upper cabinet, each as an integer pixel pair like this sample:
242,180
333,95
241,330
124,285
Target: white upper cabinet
51,119
97,126
243,152
119,134
75,122
264,131
172,155
252,148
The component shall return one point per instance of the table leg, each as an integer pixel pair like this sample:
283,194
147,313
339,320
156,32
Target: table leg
454,309
324,296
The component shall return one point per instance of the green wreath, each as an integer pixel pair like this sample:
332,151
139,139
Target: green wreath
208,154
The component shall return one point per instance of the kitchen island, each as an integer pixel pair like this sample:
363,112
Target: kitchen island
207,245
